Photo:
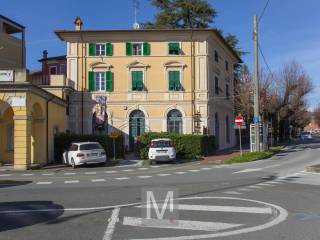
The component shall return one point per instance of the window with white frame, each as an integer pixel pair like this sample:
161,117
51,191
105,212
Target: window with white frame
99,81
137,49
100,49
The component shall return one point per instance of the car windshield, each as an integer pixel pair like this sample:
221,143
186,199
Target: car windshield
90,146
160,144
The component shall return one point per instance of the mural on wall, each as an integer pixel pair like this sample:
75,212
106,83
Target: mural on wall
99,116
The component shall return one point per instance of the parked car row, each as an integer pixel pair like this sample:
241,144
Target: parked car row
84,153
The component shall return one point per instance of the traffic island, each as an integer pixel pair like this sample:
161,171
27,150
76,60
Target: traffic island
313,168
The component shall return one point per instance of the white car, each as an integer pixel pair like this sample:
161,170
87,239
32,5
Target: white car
306,135
161,149
80,153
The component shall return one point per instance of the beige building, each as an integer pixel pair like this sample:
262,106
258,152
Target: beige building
12,44
178,80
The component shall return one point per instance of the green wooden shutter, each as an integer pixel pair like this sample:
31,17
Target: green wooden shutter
140,80
177,80
171,80
108,81
174,48
128,49
92,49
91,81
134,80
146,48
109,49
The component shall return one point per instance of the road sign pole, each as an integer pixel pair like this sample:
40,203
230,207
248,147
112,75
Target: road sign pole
240,140
114,149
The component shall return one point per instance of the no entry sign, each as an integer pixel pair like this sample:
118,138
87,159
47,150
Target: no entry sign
238,120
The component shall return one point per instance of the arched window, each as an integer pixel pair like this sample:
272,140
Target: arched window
227,129
136,126
174,121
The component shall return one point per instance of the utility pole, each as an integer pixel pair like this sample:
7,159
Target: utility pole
256,84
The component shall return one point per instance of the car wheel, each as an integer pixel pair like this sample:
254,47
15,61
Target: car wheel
73,164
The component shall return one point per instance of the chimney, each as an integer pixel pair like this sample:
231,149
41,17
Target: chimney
45,54
78,23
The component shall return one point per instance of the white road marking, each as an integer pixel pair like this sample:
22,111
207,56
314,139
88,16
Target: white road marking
98,180
232,192
27,174
128,170
206,168
245,189
69,173
178,224
214,208
122,178
72,181
248,170
89,173
111,171
180,173
47,174
194,170
43,183
112,223
143,168
5,175
272,166
144,176
276,182
282,216
264,184
155,166
255,187
163,174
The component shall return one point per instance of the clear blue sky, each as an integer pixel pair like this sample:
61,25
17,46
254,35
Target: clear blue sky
289,29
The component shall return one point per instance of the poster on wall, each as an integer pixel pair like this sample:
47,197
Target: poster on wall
6,75
99,117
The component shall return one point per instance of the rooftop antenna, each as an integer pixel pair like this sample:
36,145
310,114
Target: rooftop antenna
136,6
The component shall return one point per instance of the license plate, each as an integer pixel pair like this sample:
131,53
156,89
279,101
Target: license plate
94,154
162,158
161,151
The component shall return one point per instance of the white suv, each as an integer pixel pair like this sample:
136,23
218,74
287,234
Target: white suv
162,149
84,153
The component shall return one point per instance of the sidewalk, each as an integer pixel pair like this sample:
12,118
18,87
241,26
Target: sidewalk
220,156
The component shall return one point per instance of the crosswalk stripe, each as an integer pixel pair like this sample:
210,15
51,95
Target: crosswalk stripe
248,170
27,174
43,183
155,166
69,173
98,180
163,174
72,181
144,176
88,173
178,224
5,175
47,174
180,173
194,170
264,184
143,168
245,189
206,168
255,187
128,170
122,178
111,171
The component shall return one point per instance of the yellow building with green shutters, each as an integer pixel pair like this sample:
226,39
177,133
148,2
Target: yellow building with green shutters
134,81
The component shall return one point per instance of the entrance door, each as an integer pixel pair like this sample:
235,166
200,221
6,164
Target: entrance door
136,127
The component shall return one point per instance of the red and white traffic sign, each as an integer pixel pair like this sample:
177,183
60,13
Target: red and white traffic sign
238,120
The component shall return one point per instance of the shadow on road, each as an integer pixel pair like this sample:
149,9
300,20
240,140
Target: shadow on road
12,183
15,215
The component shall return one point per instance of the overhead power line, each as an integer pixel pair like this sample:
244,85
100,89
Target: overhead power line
264,9
265,60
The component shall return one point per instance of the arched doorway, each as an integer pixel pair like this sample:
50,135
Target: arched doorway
38,152
6,133
174,122
136,126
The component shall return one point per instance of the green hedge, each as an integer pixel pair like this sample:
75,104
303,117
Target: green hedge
187,146
62,141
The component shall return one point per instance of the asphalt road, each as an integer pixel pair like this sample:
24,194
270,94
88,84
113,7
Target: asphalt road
267,199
